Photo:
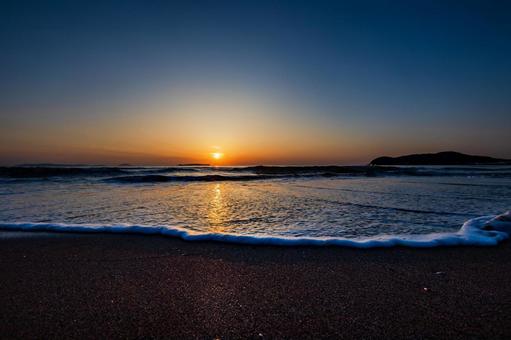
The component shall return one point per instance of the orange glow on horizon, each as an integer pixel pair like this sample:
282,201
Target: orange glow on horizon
220,127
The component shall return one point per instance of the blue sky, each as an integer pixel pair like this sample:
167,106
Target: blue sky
391,77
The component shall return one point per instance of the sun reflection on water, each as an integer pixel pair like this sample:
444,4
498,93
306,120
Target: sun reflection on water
217,211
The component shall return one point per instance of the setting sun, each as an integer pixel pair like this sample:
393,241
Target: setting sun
217,155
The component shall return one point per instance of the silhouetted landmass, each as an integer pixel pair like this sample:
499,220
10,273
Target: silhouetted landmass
440,158
194,164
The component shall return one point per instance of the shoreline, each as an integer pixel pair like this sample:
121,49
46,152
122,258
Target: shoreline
99,285
480,231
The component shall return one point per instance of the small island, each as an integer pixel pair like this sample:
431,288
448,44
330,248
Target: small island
440,158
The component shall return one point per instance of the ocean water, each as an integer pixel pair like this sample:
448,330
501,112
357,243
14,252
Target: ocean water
351,206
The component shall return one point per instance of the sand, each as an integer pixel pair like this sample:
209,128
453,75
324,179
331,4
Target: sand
126,286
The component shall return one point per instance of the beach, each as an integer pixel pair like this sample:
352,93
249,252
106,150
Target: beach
255,169
134,286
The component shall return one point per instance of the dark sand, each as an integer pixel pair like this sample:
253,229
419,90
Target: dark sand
99,286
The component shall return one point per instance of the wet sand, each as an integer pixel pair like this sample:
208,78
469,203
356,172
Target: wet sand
127,286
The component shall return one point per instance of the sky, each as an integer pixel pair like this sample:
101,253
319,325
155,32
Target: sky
259,82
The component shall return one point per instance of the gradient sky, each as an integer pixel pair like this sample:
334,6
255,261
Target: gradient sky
275,82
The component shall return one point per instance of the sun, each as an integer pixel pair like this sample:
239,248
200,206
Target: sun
217,155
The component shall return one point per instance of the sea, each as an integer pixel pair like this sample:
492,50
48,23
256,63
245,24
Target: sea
356,206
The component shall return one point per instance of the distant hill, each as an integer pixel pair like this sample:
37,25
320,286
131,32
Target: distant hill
440,158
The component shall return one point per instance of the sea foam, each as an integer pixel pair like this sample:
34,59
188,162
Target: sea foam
480,231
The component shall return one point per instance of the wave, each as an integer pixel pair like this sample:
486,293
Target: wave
42,172
211,178
165,170
55,171
480,231
22,172
315,169
163,178
371,171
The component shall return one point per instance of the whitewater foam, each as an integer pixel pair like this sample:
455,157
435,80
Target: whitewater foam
480,231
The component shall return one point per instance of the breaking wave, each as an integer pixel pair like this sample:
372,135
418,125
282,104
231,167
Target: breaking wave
52,171
41,172
146,174
163,178
480,231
